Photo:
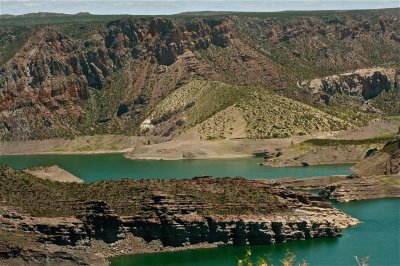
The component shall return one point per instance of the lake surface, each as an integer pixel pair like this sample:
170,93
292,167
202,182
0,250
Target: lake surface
377,237
95,167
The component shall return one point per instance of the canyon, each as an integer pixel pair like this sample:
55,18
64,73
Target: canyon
111,74
297,88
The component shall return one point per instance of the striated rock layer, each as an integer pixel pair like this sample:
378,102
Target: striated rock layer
174,228
377,176
174,213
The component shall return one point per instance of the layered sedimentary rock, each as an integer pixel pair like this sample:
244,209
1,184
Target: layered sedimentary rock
377,176
383,162
178,224
96,221
53,74
356,188
176,213
364,83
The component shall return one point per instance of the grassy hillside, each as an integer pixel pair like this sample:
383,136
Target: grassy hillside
221,110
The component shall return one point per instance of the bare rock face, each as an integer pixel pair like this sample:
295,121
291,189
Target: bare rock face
97,221
101,222
392,165
179,223
384,162
365,84
52,75
377,176
176,213
360,189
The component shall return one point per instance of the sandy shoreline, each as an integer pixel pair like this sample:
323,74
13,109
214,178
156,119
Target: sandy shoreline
97,144
67,152
53,173
188,145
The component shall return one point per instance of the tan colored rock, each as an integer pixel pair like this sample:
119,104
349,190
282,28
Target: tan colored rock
53,173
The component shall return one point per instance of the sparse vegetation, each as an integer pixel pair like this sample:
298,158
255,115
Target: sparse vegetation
337,142
51,199
220,109
288,260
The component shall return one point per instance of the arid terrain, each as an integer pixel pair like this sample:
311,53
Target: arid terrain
295,88
74,223
254,76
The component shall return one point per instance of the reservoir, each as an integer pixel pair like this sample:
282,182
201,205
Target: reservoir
377,237
94,167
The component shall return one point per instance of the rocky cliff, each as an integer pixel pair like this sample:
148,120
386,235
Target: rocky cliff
377,176
180,226
97,76
216,211
386,161
49,79
361,86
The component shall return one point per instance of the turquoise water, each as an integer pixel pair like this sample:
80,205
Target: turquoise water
95,167
377,237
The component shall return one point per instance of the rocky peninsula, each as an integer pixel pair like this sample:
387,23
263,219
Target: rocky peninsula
69,223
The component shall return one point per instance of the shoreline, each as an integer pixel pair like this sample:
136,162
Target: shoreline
314,209
185,146
68,152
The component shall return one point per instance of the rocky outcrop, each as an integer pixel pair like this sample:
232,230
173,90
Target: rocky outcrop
181,227
178,224
377,176
97,221
384,162
101,222
362,188
365,84
53,74
173,213
392,165
338,154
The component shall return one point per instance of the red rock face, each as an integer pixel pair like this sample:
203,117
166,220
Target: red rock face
73,82
54,73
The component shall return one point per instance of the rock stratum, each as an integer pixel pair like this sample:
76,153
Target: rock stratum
62,76
63,223
377,176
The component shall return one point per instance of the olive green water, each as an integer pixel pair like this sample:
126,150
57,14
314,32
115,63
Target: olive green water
112,166
377,237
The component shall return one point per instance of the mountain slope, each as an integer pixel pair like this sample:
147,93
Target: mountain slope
221,110
104,74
